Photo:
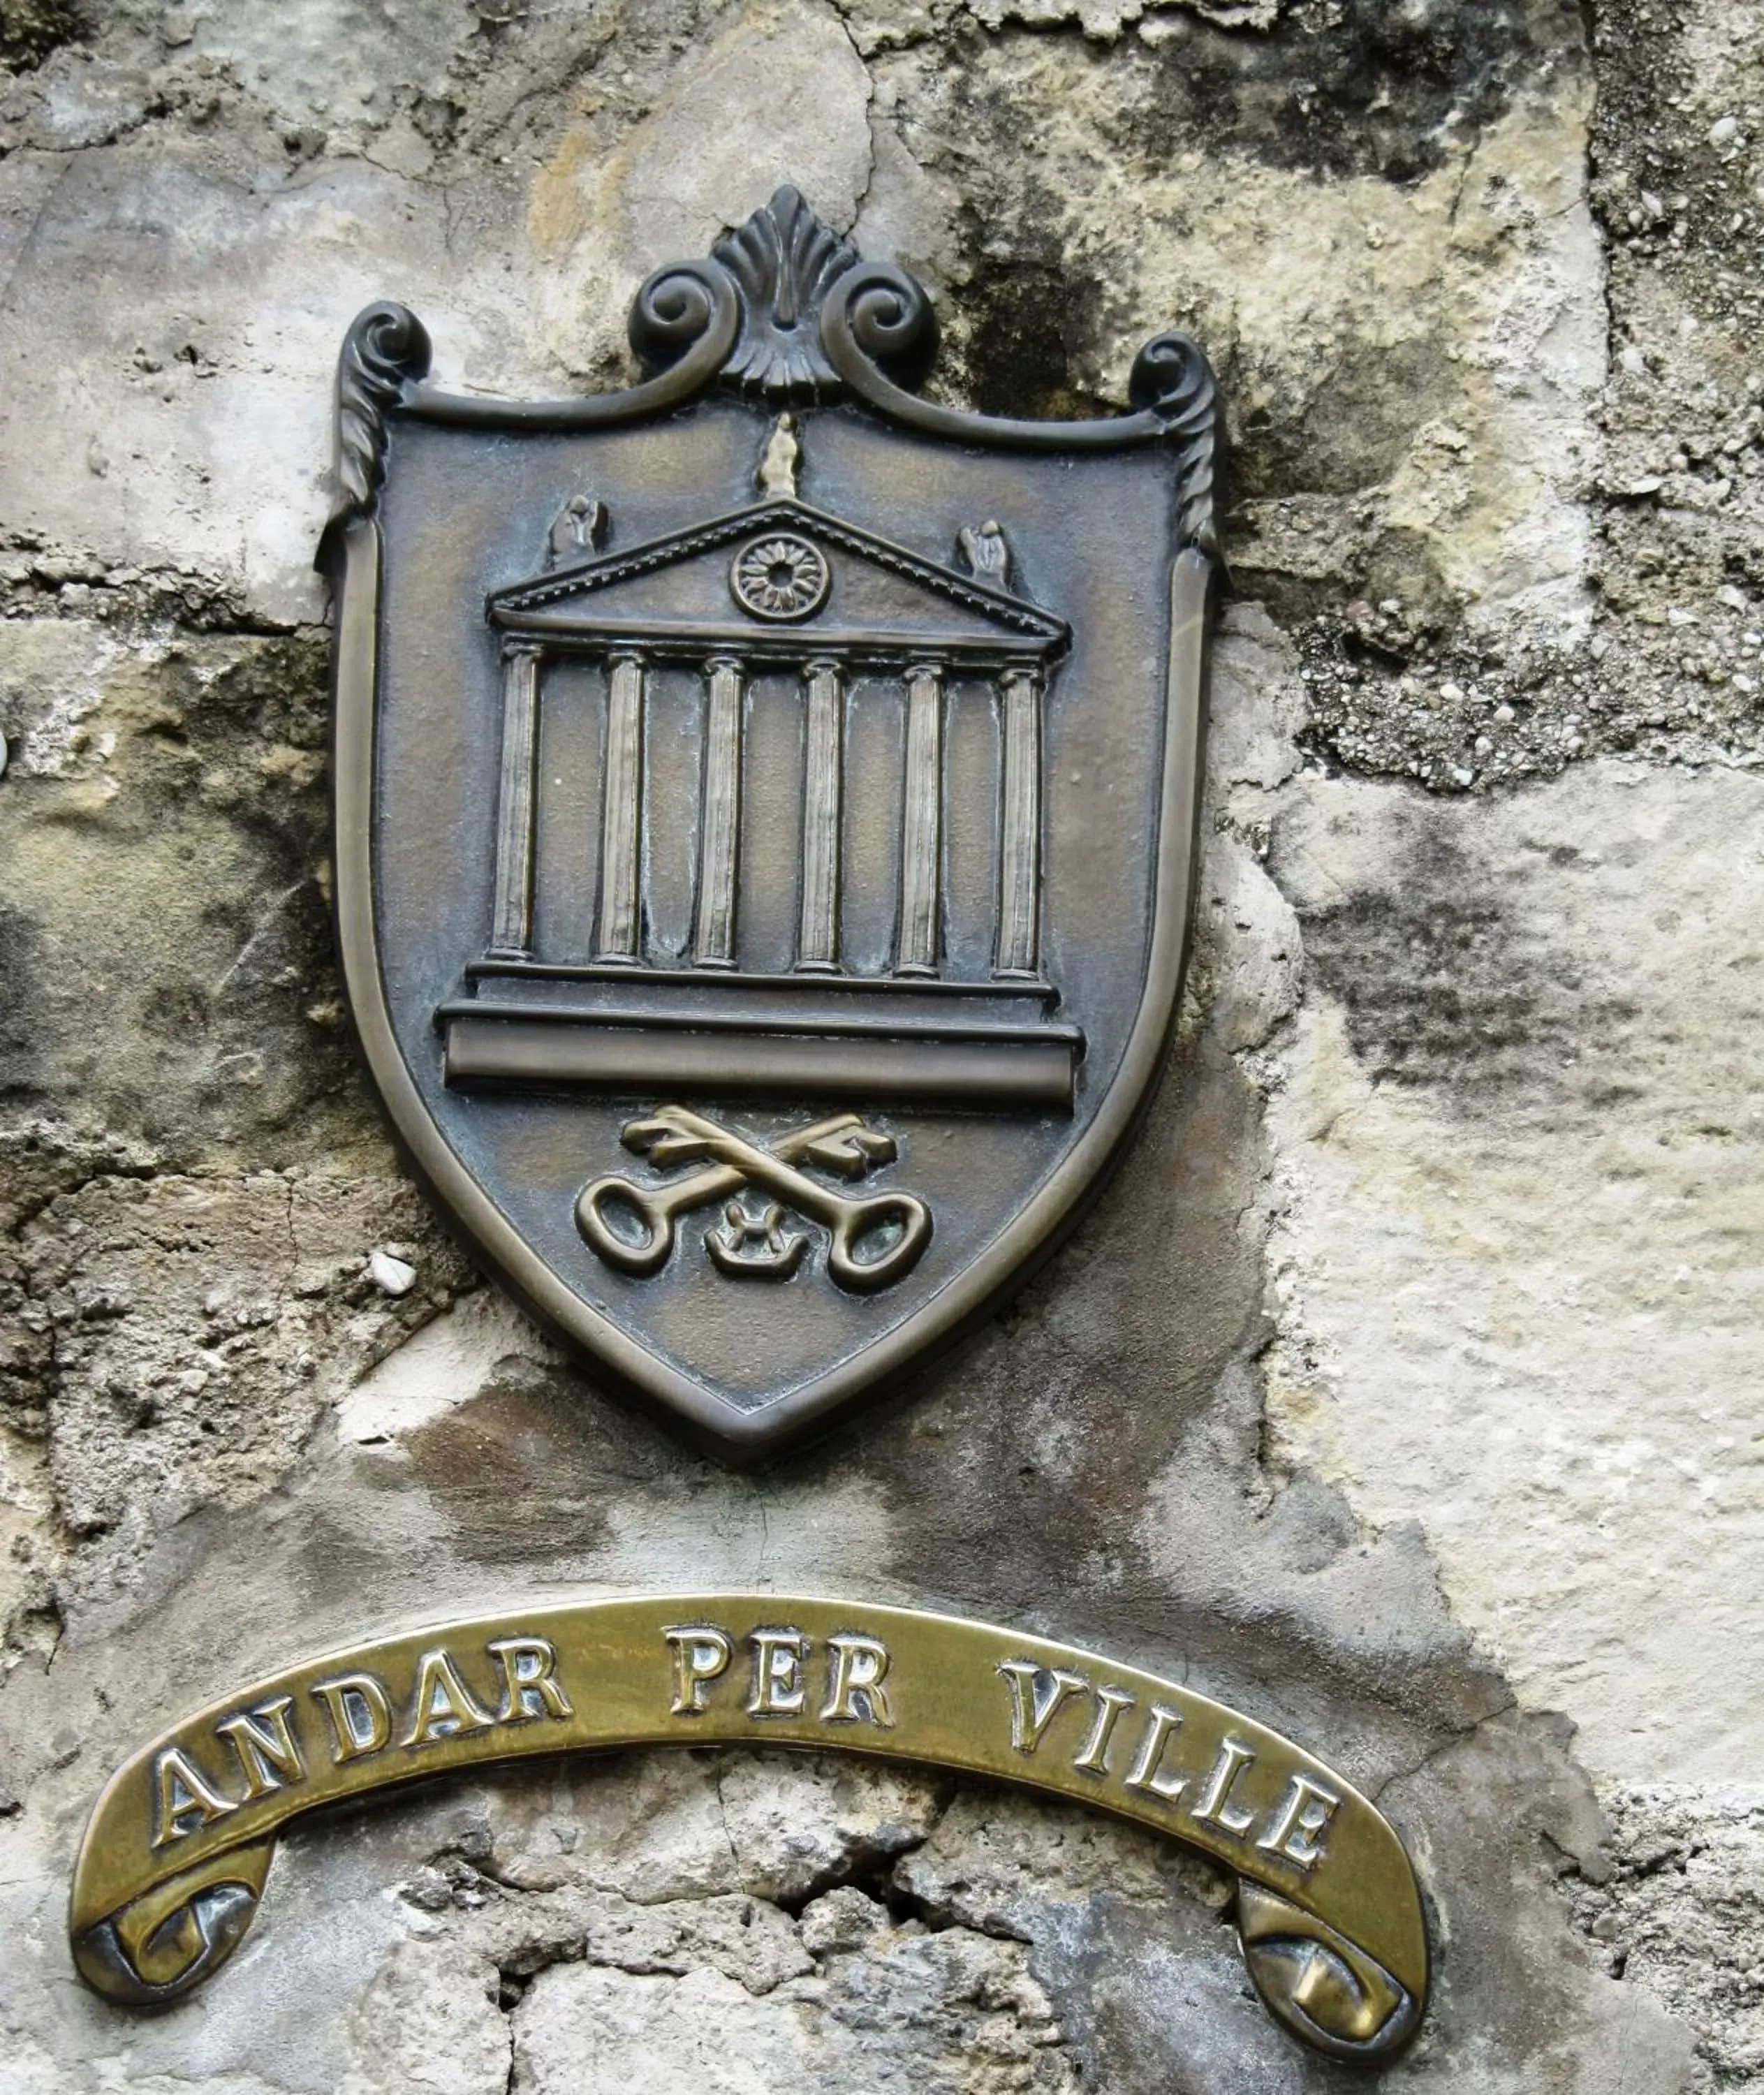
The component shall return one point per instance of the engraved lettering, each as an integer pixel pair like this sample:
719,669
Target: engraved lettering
1164,1722
360,1713
778,1657
855,1692
1037,1693
180,1793
530,1686
1306,1809
1093,1756
442,1705
1214,1808
265,1747
1328,1909
701,1654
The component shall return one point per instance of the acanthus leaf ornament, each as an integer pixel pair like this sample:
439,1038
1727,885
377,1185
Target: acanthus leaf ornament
796,791
783,261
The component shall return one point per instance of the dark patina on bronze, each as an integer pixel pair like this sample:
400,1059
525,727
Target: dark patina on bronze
765,818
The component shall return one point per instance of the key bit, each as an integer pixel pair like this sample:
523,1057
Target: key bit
859,1150
662,1143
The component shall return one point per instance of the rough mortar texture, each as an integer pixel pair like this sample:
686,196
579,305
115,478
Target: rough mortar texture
1398,1391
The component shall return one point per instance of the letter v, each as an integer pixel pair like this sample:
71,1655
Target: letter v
1036,1693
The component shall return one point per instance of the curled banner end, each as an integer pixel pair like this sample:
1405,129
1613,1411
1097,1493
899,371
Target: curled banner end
172,1938
1320,1986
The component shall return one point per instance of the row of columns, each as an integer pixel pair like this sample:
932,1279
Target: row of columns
619,919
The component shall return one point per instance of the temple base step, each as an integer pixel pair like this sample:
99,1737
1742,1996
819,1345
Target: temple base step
1022,1075
641,1031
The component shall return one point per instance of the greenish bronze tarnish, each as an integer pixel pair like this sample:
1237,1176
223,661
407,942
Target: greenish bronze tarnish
765,819
177,1855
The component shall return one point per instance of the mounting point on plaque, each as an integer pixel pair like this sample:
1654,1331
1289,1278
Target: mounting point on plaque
578,531
781,461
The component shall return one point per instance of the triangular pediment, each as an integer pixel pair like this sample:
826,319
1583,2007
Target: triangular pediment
860,592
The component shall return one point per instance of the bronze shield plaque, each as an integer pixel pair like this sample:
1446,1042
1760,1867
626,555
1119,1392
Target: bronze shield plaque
766,805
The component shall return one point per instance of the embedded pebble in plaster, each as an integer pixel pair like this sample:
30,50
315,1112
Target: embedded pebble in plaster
391,1274
444,1364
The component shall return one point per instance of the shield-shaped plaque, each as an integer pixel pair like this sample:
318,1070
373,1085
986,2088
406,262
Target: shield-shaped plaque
765,818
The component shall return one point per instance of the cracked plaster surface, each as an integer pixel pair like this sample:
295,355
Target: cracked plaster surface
1398,1391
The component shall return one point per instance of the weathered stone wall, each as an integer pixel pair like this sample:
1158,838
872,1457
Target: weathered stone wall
1403,1387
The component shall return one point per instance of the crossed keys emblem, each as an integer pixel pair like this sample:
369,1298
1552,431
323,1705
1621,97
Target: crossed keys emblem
875,1241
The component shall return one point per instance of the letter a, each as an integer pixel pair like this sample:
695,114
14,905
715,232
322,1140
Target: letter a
179,1793
443,1704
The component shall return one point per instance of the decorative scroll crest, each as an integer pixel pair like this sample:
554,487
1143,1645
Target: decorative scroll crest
784,263
386,348
1173,379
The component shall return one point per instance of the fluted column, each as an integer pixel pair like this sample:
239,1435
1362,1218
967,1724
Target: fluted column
620,932
516,808
713,933
1020,827
817,942
921,830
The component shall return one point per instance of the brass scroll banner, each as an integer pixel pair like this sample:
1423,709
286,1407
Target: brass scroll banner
175,1858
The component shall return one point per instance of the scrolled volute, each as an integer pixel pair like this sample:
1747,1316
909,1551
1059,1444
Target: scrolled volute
674,310
887,314
1171,379
386,348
